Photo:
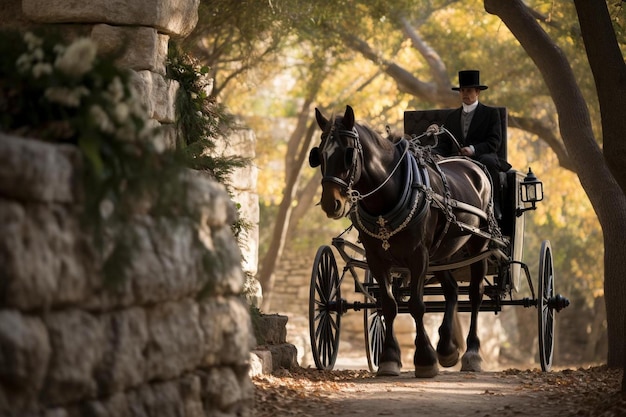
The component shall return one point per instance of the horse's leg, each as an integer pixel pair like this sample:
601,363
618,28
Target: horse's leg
425,358
449,344
471,360
389,362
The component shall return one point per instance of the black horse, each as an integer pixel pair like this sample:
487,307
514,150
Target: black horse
405,208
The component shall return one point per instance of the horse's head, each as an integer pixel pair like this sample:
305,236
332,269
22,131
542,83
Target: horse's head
339,157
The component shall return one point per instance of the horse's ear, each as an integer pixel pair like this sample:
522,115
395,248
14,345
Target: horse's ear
348,118
321,120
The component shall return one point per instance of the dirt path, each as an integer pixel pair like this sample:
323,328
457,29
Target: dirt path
449,394
307,392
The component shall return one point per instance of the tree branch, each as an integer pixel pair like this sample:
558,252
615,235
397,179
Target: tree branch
435,63
574,119
405,80
546,133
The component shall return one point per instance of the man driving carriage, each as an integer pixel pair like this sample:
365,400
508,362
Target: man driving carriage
477,129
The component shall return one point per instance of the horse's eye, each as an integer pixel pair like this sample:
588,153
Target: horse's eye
315,159
349,157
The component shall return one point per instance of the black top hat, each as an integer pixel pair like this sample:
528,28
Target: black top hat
469,78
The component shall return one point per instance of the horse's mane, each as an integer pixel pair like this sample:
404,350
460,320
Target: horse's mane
386,143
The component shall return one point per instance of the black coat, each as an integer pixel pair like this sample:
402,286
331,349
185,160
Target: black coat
485,132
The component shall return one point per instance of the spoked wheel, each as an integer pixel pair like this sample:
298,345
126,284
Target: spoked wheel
374,326
324,309
545,306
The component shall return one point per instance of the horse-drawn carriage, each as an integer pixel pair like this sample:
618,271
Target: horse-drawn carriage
422,221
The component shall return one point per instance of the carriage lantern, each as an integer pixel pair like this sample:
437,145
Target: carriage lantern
532,192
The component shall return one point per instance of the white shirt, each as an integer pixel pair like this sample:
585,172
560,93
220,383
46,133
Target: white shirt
471,107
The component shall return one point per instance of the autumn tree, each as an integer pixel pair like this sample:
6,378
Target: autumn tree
605,194
382,57
607,64
578,150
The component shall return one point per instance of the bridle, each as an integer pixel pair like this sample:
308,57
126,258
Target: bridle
354,173
355,153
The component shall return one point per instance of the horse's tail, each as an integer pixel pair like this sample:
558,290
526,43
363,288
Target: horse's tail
457,331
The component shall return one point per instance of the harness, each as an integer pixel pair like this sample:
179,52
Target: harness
411,207
415,199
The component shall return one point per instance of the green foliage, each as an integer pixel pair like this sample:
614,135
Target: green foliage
68,94
198,115
200,121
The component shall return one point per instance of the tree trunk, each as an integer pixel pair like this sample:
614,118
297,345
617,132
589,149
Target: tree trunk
597,180
279,234
609,73
305,201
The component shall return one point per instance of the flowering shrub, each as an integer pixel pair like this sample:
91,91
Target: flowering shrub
68,93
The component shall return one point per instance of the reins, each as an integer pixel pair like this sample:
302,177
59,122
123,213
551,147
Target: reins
355,196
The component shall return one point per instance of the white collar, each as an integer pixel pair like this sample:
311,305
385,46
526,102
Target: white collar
471,107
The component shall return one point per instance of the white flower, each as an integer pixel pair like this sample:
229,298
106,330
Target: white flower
121,112
38,54
78,58
66,96
106,208
41,68
32,41
24,62
116,88
59,49
160,142
101,119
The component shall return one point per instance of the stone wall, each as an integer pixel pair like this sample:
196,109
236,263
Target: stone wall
243,187
72,345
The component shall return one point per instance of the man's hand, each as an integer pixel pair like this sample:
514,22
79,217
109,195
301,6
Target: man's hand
467,151
432,129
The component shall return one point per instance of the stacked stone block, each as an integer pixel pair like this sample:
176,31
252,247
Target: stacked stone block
73,345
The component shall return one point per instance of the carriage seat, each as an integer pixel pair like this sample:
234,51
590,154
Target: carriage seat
417,121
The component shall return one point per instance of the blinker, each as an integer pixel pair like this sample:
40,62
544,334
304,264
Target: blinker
314,157
349,157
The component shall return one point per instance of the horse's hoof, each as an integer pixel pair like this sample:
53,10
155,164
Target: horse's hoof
426,371
450,360
471,362
388,369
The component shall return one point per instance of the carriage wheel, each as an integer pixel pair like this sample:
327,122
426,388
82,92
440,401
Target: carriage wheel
545,307
374,326
324,311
